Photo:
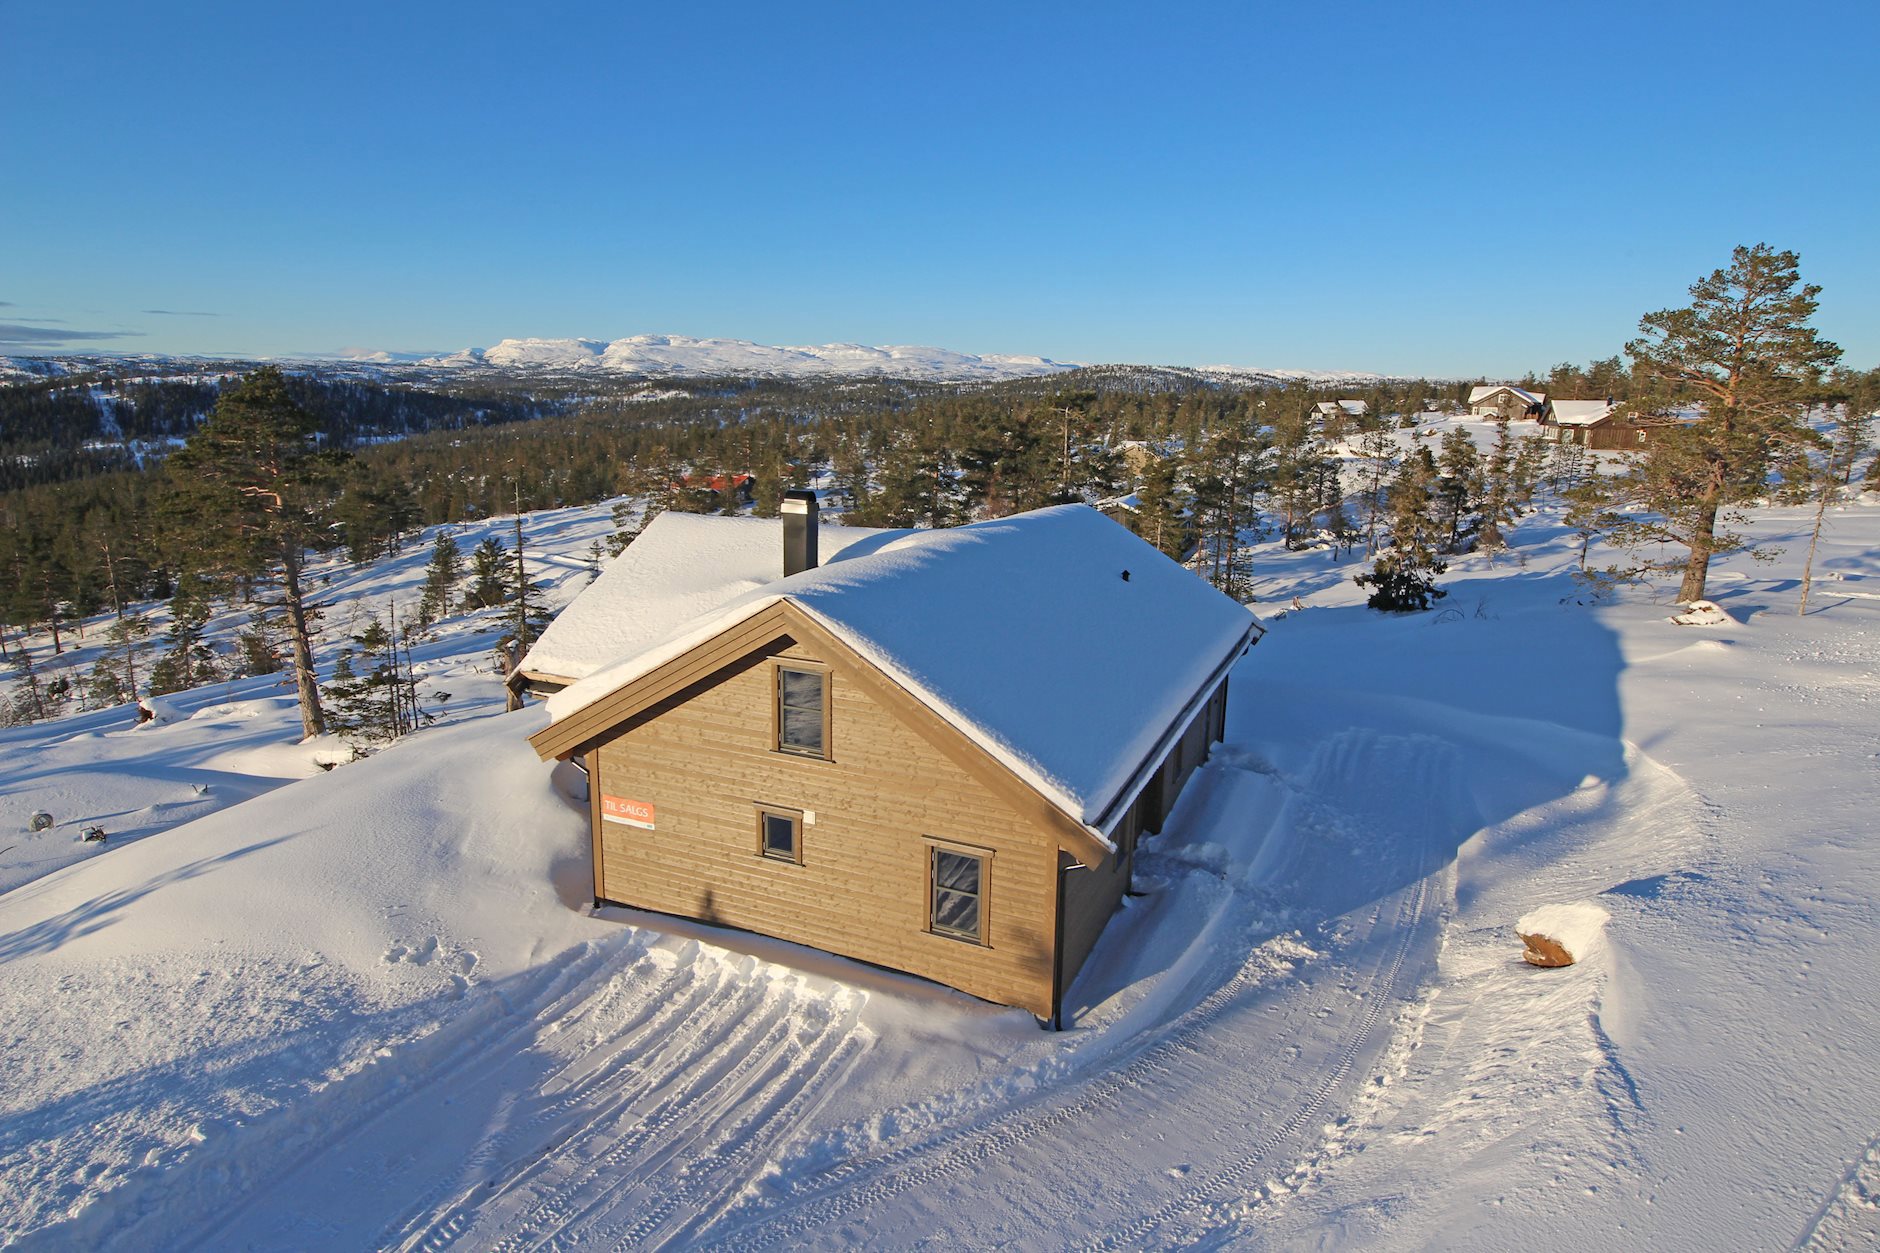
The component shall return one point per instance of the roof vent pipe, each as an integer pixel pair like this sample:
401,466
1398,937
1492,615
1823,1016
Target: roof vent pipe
799,531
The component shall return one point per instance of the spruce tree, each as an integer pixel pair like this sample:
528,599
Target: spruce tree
1403,577
489,575
1498,487
1458,487
441,576
188,661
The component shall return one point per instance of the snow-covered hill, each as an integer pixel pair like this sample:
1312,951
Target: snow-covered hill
681,356
656,355
374,1007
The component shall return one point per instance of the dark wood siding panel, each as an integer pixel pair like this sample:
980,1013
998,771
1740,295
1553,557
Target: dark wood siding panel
1090,898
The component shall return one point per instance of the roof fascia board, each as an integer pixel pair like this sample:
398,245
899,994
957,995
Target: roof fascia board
569,735
783,617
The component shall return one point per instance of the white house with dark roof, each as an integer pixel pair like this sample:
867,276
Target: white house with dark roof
929,750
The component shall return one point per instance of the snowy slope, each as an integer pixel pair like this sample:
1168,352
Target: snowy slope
371,1008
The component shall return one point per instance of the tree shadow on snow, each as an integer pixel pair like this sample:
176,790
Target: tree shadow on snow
99,912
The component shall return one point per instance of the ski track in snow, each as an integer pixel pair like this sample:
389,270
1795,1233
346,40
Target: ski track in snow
1297,1044
1850,1218
629,1095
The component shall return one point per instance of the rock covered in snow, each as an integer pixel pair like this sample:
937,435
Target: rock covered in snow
1559,935
1703,613
156,710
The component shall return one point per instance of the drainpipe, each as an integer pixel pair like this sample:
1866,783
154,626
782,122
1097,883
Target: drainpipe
1057,956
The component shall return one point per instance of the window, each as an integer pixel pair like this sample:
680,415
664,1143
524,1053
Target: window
958,895
802,712
780,834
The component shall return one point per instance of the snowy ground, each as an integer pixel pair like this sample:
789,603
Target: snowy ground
368,1008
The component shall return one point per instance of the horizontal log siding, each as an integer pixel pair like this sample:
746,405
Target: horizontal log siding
703,759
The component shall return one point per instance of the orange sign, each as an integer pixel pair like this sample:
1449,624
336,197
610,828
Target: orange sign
632,813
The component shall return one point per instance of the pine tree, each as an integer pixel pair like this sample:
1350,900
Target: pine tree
1376,458
1161,515
1299,477
252,489
189,661
1743,350
29,702
920,482
1231,466
1590,512
1855,397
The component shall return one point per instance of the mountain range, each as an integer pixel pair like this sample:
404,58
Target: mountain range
683,356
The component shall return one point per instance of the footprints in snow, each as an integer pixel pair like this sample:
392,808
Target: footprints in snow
429,952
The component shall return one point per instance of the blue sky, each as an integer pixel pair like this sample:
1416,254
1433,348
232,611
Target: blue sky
1446,189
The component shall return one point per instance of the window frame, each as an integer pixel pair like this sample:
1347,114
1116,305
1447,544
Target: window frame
984,857
777,671
795,818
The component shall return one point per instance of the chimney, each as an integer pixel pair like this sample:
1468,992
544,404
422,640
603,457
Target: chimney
799,531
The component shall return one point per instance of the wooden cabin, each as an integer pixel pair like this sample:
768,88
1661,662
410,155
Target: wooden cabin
1604,426
1338,412
1492,400
933,751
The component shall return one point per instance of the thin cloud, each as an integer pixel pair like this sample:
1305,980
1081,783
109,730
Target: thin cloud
180,313
7,304
20,335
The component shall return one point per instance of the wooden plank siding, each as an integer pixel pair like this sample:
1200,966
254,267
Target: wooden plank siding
703,757
696,740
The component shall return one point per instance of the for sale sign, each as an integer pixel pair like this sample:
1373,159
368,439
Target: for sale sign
627,812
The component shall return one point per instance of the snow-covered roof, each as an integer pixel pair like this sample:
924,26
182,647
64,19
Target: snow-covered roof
1057,641
1581,412
681,567
1479,394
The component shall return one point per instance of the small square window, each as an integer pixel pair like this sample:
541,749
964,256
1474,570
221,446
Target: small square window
802,712
780,835
958,895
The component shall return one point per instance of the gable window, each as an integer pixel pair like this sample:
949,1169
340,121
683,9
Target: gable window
780,834
802,711
958,905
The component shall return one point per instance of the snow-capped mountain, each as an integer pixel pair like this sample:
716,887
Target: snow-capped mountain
684,355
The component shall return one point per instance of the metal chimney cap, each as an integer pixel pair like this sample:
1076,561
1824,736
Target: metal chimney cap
799,500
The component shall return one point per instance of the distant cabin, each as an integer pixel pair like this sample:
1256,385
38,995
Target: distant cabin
934,751
1604,426
718,489
1489,401
1339,410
